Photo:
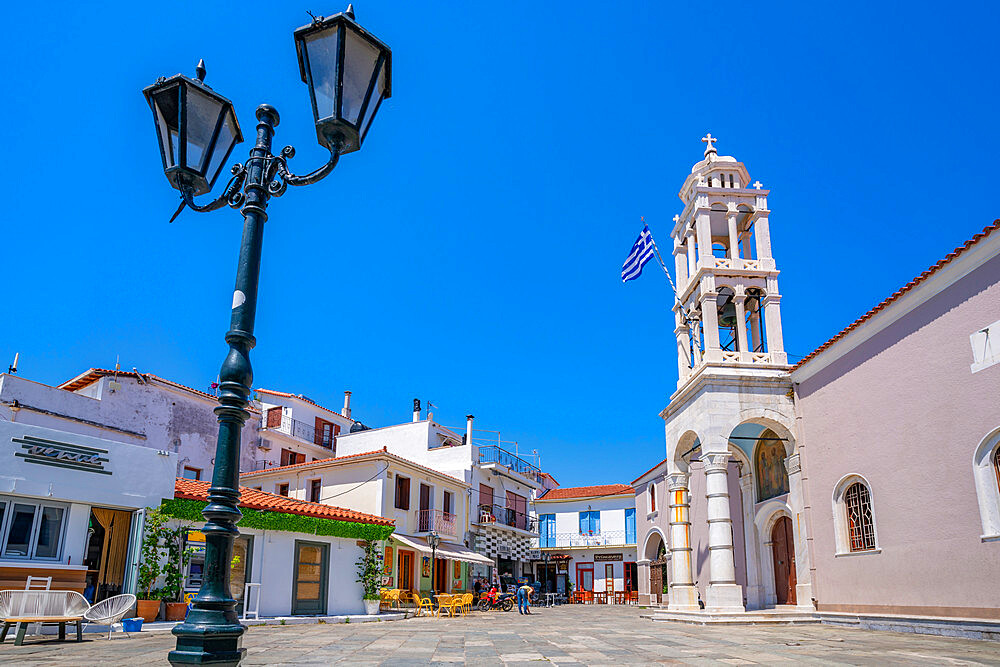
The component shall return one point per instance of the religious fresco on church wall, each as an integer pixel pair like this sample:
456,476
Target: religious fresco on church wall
769,464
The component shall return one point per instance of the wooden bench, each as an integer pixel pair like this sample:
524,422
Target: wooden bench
52,607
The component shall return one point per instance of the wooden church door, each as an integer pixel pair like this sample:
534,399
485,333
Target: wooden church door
784,561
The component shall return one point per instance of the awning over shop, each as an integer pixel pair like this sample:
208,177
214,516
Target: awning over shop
445,550
417,543
458,552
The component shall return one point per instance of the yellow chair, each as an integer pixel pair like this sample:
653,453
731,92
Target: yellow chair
466,603
445,603
422,604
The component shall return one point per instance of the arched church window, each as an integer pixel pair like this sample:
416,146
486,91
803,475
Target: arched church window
731,181
652,498
996,466
860,526
769,465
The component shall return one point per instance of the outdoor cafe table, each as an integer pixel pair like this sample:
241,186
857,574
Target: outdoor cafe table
600,597
550,599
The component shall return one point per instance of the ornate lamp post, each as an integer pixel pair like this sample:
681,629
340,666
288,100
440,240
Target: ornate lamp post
348,72
434,540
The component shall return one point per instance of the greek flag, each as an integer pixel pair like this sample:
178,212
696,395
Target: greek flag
641,253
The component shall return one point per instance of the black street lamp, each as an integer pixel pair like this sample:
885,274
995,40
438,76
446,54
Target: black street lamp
348,74
434,540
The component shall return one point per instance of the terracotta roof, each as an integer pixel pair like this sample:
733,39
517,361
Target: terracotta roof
588,491
649,471
906,288
191,489
91,376
378,453
285,394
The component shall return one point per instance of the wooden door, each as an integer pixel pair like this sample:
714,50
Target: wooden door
312,562
783,549
405,570
609,577
441,575
585,576
655,581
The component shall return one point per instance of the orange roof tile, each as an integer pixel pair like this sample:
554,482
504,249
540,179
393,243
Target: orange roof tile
191,489
903,290
588,491
285,394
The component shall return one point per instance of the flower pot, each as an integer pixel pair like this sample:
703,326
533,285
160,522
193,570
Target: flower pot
176,611
148,610
371,606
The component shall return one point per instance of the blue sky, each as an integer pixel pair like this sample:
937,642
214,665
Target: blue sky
470,253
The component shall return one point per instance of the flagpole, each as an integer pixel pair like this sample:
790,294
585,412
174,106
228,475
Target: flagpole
659,259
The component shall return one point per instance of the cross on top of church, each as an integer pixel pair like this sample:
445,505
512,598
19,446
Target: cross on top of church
758,185
677,219
710,140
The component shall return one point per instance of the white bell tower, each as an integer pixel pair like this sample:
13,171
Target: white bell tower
728,310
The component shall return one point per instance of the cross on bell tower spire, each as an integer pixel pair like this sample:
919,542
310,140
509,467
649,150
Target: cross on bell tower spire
710,140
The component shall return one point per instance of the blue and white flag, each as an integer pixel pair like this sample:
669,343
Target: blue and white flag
641,253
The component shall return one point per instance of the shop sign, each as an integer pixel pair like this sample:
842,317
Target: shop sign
535,554
61,454
598,558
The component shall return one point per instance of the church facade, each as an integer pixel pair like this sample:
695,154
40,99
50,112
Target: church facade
830,486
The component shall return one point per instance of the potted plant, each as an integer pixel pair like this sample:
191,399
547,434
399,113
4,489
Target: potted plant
150,566
173,569
370,577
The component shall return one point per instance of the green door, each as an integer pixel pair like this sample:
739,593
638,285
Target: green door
312,562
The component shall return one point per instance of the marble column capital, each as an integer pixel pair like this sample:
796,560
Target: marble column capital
793,465
677,481
715,461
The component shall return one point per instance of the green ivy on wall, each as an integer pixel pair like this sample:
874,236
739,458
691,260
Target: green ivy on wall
190,510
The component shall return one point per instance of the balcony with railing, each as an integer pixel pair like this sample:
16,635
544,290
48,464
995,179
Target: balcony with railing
513,462
300,431
507,516
436,521
608,538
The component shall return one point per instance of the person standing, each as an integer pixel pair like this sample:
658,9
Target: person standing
524,599
477,589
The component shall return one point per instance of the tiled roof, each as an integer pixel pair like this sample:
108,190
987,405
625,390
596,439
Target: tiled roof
285,394
649,471
91,376
191,489
906,288
310,463
378,453
588,491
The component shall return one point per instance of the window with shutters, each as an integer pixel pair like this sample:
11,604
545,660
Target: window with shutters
273,417
288,457
448,503
325,433
282,489
590,523
517,511
402,500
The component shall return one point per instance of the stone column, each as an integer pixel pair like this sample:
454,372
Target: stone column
734,239
680,264
803,582
710,322
755,595
741,323
772,319
703,228
683,594
692,258
683,334
724,594
642,571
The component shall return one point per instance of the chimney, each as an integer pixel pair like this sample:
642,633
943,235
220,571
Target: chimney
468,429
416,409
346,411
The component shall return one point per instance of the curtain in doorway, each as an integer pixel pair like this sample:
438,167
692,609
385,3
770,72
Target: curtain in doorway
114,551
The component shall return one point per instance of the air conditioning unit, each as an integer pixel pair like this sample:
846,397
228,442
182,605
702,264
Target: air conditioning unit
264,444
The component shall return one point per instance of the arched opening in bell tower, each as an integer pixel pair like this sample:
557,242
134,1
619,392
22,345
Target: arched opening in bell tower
728,322
753,306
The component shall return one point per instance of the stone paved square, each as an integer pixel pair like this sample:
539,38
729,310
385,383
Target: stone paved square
587,634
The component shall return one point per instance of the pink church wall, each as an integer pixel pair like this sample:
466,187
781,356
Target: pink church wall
904,411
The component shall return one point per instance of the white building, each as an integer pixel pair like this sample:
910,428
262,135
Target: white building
72,507
303,555
501,484
136,408
587,539
295,429
419,500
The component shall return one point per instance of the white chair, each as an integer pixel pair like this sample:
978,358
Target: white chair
110,612
248,589
23,607
37,584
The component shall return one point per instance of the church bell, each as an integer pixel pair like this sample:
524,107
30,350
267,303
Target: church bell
727,316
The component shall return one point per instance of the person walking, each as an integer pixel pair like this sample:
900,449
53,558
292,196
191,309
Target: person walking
524,599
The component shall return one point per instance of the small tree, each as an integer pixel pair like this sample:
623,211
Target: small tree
150,564
370,571
172,540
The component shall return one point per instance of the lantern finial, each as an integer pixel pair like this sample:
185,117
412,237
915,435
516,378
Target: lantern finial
200,71
350,10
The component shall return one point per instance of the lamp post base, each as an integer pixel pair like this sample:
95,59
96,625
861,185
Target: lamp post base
208,644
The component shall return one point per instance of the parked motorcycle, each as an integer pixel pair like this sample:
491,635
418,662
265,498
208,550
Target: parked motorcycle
502,602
